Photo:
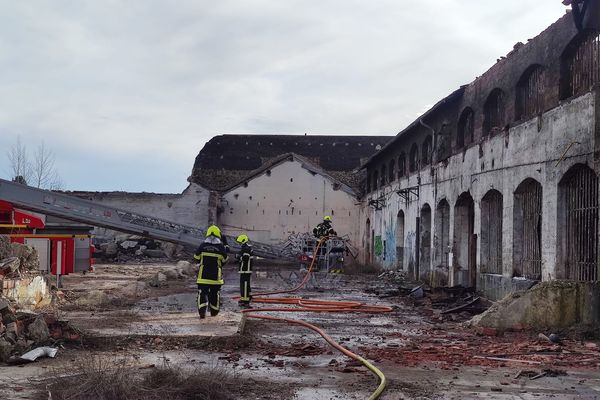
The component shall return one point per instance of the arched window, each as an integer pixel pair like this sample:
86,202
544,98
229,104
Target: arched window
413,162
530,93
580,64
493,112
441,237
402,165
392,171
578,209
466,127
491,233
383,176
527,230
425,243
426,151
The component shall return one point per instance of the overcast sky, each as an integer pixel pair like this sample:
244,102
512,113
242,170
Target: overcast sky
126,93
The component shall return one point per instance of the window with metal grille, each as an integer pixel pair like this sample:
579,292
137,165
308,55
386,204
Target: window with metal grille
578,209
442,234
580,64
425,242
413,162
527,230
426,150
392,170
465,128
491,233
402,165
530,93
383,176
493,112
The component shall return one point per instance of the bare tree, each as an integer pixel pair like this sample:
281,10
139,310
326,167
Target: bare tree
18,162
44,174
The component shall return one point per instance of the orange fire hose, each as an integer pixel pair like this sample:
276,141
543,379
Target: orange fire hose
308,305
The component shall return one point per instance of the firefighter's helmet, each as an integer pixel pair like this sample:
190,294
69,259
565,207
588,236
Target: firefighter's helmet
213,230
327,218
242,239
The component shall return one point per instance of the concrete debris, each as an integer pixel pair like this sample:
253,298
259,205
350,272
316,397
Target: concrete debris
20,331
6,349
9,266
548,305
154,253
27,255
38,330
187,268
5,249
17,259
39,352
125,248
128,244
93,298
20,278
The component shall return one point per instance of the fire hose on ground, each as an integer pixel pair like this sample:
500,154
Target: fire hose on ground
308,305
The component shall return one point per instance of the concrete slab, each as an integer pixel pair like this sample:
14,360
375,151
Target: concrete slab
180,324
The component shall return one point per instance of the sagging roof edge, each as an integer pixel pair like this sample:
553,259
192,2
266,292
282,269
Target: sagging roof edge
452,96
306,164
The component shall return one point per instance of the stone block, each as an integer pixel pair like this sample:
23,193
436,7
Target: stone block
38,330
6,350
548,305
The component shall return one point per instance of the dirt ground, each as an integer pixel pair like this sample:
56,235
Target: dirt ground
423,355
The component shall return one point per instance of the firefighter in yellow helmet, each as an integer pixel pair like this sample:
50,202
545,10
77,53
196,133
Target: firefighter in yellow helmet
324,228
244,258
211,255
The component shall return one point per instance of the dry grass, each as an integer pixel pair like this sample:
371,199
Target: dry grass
109,378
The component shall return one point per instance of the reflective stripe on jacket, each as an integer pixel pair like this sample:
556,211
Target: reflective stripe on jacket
245,257
211,255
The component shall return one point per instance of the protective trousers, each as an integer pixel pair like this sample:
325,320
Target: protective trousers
209,296
245,288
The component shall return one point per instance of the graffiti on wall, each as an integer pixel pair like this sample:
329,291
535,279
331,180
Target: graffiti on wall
378,246
390,249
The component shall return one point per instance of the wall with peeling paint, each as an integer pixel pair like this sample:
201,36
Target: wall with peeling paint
532,149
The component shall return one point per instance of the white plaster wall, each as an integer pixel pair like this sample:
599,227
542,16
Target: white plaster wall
530,150
289,200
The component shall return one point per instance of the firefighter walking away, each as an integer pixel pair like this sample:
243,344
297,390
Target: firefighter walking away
211,255
245,269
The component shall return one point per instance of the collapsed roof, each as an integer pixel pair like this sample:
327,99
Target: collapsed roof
227,159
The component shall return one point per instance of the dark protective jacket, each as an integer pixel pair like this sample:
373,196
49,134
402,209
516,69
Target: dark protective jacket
245,259
211,255
324,229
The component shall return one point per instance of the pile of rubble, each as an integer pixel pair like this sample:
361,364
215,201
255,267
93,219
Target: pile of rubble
22,331
20,277
122,248
17,259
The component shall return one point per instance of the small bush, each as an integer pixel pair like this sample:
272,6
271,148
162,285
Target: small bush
118,379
